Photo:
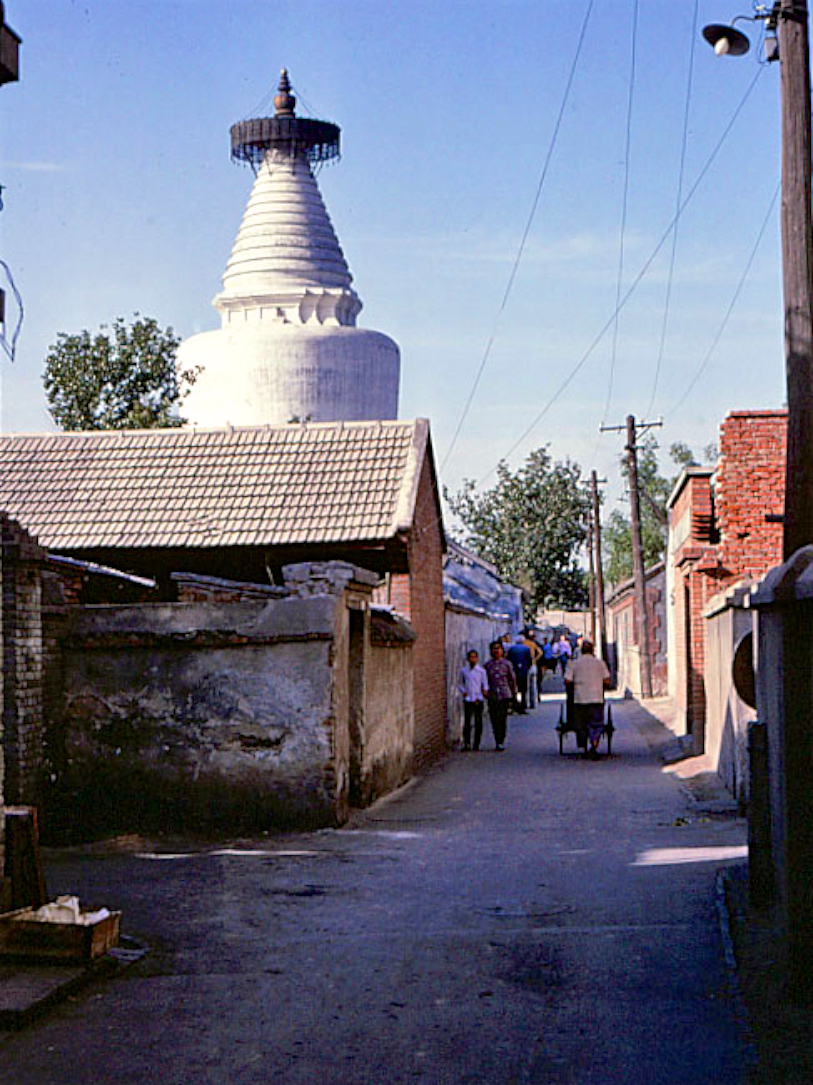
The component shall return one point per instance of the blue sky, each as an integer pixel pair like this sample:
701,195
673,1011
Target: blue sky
120,197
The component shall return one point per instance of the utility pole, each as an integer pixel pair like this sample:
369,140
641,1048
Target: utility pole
638,560
797,270
639,579
591,586
797,640
598,594
785,676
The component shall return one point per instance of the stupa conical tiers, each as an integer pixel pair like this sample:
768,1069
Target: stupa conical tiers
288,347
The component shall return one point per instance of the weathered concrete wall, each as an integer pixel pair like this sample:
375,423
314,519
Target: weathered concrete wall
389,732
784,605
466,629
374,699
727,715
245,711
210,714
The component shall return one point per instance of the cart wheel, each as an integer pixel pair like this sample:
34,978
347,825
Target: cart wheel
560,727
609,730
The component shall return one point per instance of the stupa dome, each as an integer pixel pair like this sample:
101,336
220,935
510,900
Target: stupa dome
288,346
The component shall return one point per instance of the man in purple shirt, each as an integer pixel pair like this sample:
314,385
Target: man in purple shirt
502,690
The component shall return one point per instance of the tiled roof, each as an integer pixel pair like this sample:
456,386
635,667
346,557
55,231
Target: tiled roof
265,486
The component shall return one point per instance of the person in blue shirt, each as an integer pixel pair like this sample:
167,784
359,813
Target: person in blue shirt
472,684
519,655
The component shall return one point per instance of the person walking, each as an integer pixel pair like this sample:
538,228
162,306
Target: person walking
548,660
502,689
563,652
535,674
588,677
519,656
473,685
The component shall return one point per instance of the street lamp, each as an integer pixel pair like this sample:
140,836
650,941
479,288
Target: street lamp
726,40
786,611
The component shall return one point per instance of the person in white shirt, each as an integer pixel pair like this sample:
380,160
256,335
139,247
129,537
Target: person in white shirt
589,678
473,685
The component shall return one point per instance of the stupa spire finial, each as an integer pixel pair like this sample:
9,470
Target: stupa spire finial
284,101
252,139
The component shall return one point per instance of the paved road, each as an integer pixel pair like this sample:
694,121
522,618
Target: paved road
515,917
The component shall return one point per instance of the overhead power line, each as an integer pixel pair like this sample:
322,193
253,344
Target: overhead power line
624,205
525,233
10,346
734,299
678,197
634,284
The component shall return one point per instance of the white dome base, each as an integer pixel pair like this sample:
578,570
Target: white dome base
269,374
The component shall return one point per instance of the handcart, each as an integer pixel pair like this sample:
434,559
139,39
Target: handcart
566,726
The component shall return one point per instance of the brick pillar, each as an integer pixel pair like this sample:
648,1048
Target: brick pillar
21,625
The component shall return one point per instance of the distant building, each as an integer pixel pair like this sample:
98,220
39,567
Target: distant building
623,647
289,347
480,607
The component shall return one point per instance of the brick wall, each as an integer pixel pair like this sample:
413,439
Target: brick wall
428,620
418,595
22,714
194,588
750,483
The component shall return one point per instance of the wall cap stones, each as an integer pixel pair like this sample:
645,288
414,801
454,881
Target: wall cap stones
788,582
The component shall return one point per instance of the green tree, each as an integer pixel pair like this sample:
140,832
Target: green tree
654,491
531,525
123,377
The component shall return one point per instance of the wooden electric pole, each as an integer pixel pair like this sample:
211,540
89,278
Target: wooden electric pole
638,576
786,622
797,270
639,580
797,639
591,585
598,594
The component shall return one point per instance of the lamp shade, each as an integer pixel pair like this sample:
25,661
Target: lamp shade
726,40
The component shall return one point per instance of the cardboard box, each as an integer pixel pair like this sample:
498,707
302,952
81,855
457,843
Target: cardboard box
33,939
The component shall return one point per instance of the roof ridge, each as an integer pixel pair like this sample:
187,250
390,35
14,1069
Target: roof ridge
227,428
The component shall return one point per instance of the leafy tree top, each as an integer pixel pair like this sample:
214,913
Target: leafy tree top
531,525
121,377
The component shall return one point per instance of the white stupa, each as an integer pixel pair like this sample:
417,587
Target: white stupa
288,347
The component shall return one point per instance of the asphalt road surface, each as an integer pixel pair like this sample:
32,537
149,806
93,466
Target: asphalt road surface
512,917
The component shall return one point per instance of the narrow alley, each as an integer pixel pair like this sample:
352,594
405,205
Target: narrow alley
511,917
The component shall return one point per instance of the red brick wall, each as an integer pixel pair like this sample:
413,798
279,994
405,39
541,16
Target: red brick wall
418,595
399,594
751,483
216,590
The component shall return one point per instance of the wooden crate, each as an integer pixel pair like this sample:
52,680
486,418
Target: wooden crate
69,942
